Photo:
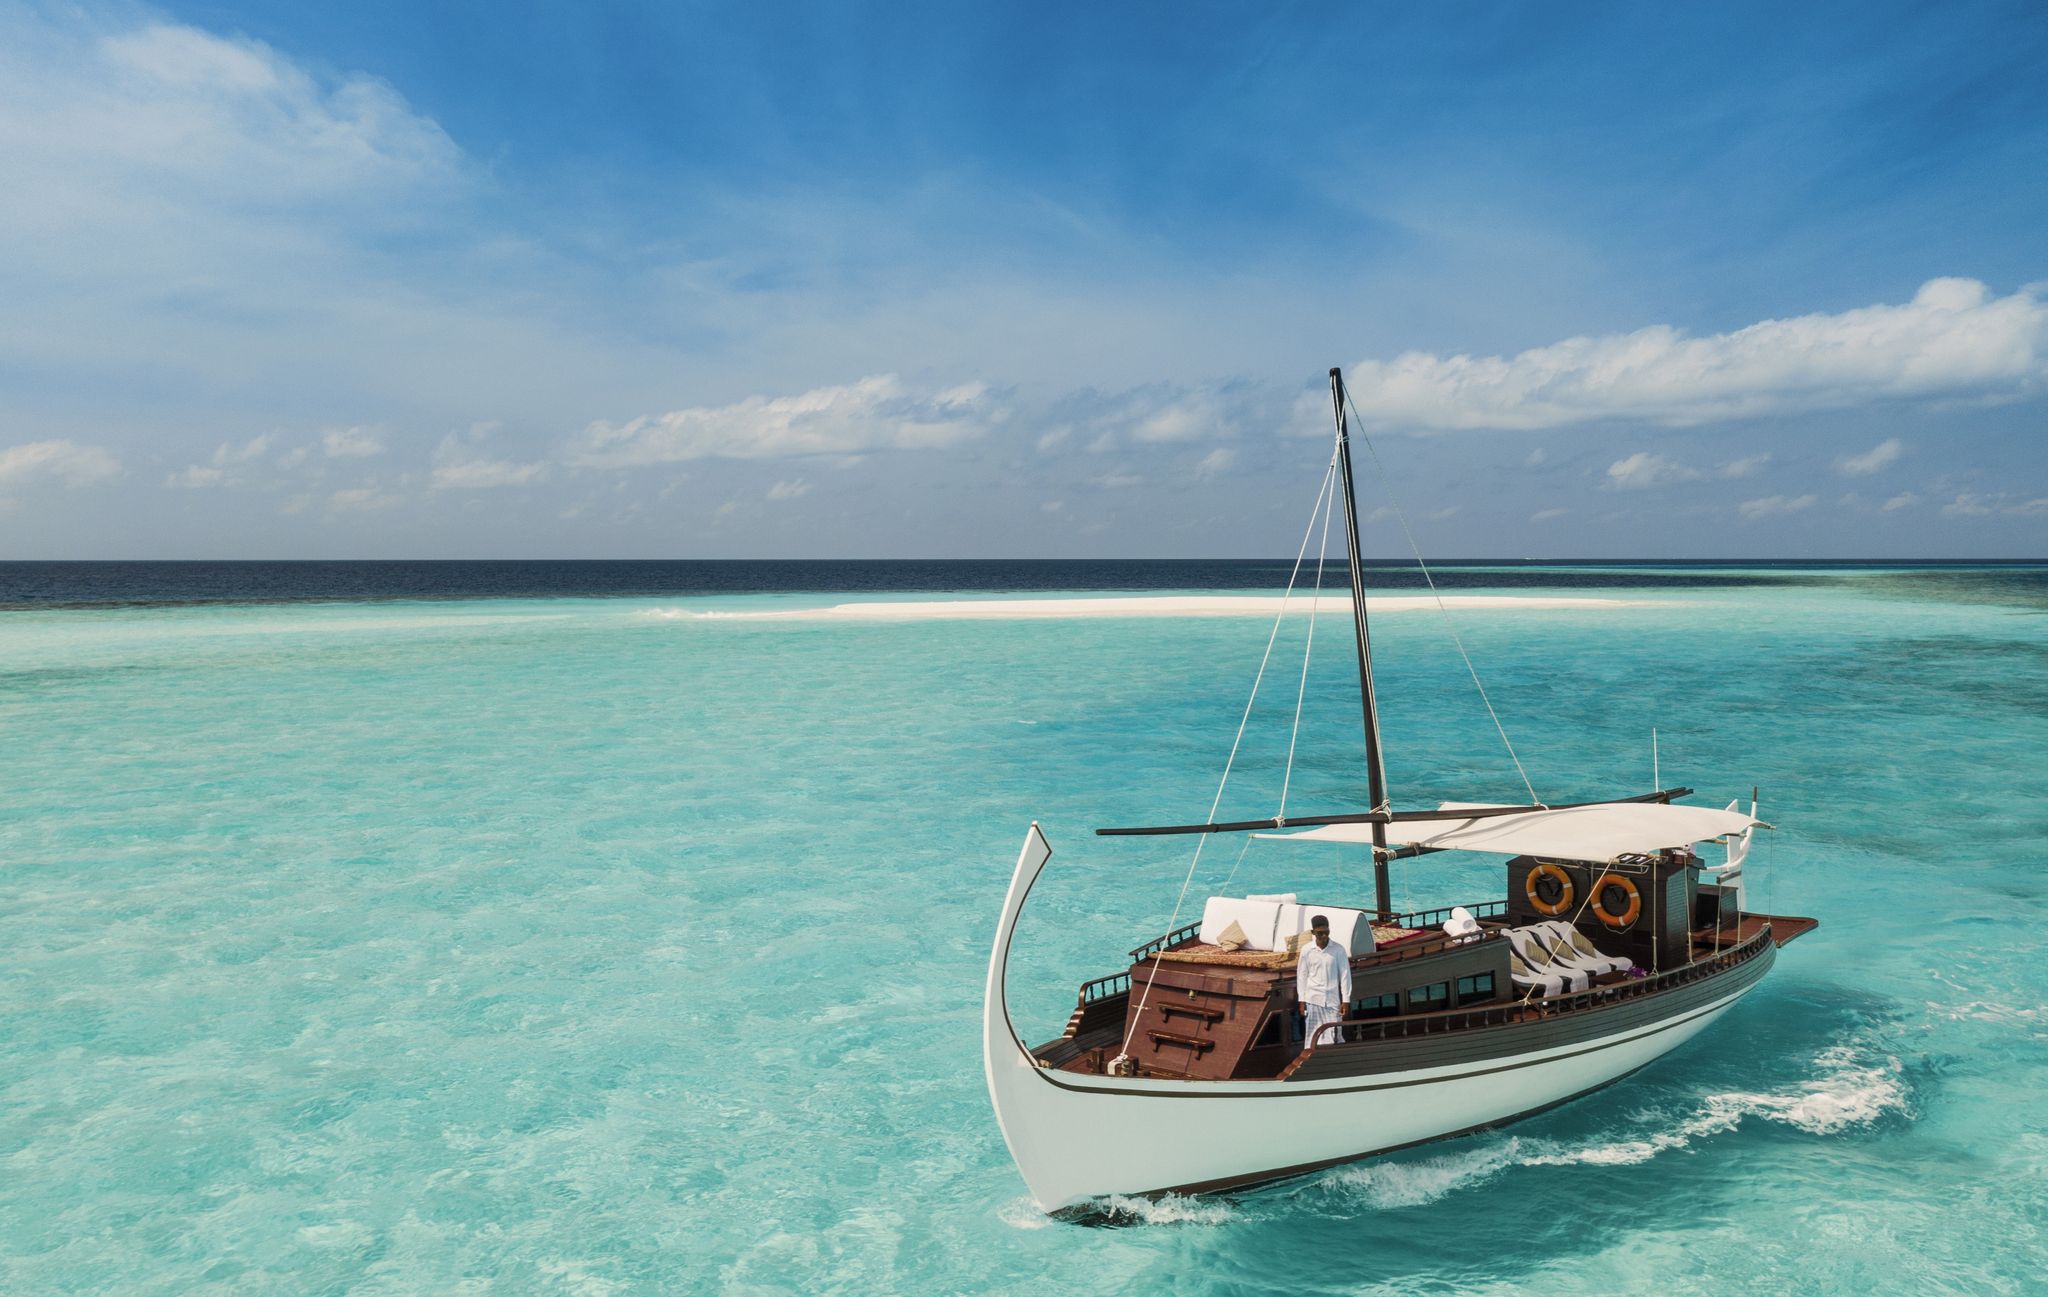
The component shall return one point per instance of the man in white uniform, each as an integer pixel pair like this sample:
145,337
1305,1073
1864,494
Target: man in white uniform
1322,981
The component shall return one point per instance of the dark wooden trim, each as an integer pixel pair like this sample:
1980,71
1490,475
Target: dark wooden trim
1504,1041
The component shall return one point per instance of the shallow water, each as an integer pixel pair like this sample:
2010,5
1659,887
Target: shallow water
560,946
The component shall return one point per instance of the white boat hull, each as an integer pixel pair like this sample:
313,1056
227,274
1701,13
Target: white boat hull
1077,1137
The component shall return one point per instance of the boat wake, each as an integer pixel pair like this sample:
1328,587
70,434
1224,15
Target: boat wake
1167,1209
1853,1088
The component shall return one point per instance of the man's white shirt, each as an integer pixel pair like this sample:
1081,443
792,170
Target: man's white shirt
1323,975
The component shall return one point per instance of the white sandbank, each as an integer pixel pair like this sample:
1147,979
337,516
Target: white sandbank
1143,606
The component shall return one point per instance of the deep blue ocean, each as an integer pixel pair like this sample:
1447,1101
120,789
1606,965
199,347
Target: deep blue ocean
515,928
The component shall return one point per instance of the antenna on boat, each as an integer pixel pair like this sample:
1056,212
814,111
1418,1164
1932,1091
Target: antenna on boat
1375,763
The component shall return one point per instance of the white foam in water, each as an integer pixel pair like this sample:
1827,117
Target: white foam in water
1411,1184
1168,1209
1148,606
1023,1213
1852,1090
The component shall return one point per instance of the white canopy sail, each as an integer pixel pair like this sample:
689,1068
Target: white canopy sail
1599,832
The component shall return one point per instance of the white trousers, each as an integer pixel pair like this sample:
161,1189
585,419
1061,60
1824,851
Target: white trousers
1318,1014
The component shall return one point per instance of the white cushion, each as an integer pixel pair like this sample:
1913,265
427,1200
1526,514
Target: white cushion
1285,898
1257,918
1349,928
1268,924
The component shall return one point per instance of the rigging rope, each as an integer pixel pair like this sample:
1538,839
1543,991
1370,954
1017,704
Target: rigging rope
1449,625
1315,605
1202,840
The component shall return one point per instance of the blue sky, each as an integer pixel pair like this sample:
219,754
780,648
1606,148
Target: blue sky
567,280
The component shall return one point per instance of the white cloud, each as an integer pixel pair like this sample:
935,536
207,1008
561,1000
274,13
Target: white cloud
224,467
1971,505
1952,340
1772,505
789,490
361,499
1644,469
1052,506
877,413
1883,453
228,453
352,443
1195,417
1904,500
176,114
66,461
194,477
484,474
459,467
1116,481
1216,461
1547,515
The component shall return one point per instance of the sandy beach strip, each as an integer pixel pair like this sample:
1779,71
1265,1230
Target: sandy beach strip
1143,606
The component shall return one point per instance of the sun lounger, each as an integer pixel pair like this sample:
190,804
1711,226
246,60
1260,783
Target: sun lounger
1576,948
1524,978
1542,959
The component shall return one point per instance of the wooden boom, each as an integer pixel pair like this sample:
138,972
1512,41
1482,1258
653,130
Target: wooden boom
1384,817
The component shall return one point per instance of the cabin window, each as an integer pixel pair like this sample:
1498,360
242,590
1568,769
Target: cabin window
1379,1006
1436,995
1269,1035
1477,987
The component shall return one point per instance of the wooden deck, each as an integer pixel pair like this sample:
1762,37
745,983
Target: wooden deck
1784,928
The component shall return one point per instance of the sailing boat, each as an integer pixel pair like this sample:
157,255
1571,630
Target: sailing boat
1187,1072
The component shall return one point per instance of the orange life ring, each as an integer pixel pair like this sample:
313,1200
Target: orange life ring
1629,915
1564,885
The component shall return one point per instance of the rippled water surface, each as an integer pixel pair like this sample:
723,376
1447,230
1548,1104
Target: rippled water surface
561,946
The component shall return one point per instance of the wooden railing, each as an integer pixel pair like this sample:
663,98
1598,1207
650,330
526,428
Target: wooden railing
1493,1015
1186,932
1435,918
1104,987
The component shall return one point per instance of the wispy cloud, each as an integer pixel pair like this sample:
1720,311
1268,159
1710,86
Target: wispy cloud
460,464
789,490
1974,505
1881,455
1903,500
66,461
1215,462
352,443
226,467
1643,469
1548,515
362,499
1200,415
1953,339
877,413
1773,505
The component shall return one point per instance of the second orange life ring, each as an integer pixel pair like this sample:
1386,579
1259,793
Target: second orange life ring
1532,886
1629,913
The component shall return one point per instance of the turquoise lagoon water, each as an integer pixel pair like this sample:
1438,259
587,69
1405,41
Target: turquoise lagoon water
570,946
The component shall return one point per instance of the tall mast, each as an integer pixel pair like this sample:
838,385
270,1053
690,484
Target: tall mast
1375,763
